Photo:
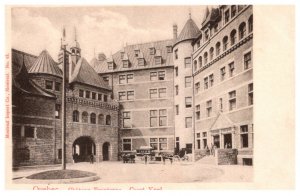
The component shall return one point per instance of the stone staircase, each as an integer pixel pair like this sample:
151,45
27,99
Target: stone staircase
208,160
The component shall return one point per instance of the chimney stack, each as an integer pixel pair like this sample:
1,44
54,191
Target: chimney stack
174,31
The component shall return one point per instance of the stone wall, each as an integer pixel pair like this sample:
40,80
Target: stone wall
199,154
227,156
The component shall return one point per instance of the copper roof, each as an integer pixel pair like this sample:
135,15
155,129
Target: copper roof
129,50
45,64
189,31
20,77
84,73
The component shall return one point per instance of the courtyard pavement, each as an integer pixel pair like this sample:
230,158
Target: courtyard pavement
178,172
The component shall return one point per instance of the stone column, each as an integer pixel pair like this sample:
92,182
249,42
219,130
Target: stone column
221,135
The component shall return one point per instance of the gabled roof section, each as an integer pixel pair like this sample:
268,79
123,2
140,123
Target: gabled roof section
221,122
210,17
45,64
189,31
129,50
20,77
84,73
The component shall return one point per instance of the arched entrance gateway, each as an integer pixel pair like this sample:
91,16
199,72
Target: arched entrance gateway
82,149
105,151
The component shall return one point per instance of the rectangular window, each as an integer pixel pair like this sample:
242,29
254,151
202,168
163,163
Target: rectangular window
49,84
247,60
208,108
187,62
153,93
250,94
244,136
163,117
93,95
105,98
110,65
126,120
197,112
227,16
176,71
204,134
188,102
154,143
99,97
188,122
129,78
106,79
157,60
162,92
211,80
153,76
29,132
141,62
169,49
188,81
122,79
176,54
126,64
163,143
232,100
231,69
161,75
233,11
87,94
80,93
57,86
223,73
122,96
177,109
153,118
130,95
206,83
126,144
16,131
57,111
197,87
152,51
176,90
198,144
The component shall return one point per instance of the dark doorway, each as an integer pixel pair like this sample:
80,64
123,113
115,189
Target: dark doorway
177,146
227,140
217,141
83,147
105,151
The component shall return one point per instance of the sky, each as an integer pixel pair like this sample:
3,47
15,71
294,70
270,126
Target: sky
99,29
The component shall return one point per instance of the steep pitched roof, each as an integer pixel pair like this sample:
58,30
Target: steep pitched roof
45,64
210,17
129,50
20,57
189,31
84,73
20,78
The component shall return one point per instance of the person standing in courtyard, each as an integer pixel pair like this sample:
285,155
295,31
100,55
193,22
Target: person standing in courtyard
91,159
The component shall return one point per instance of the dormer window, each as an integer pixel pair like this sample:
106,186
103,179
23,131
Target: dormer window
125,64
169,49
141,62
227,16
122,55
136,53
157,60
233,11
110,65
152,51
206,35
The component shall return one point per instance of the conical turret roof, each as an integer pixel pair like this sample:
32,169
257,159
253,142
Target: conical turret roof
45,64
189,31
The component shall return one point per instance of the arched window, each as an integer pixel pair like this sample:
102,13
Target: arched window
93,118
218,48
205,58
195,65
101,119
75,116
200,61
211,53
85,117
250,24
225,43
233,37
108,120
242,30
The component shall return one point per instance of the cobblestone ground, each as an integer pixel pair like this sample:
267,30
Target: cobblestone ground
118,172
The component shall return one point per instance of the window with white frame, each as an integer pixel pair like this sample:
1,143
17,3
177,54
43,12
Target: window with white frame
188,81
247,60
157,60
161,75
130,95
110,65
158,118
198,112
187,62
152,51
208,108
223,73
153,118
129,78
231,69
188,122
162,92
163,144
169,49
211,80
197,87
154,143
141,62
153,76
232,100
122,79
206,83
250,94
122,96
126,120
163,117
153,93
188,102
244,136
126,144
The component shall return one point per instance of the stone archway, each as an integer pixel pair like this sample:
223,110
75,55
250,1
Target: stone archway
106,151
82,149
